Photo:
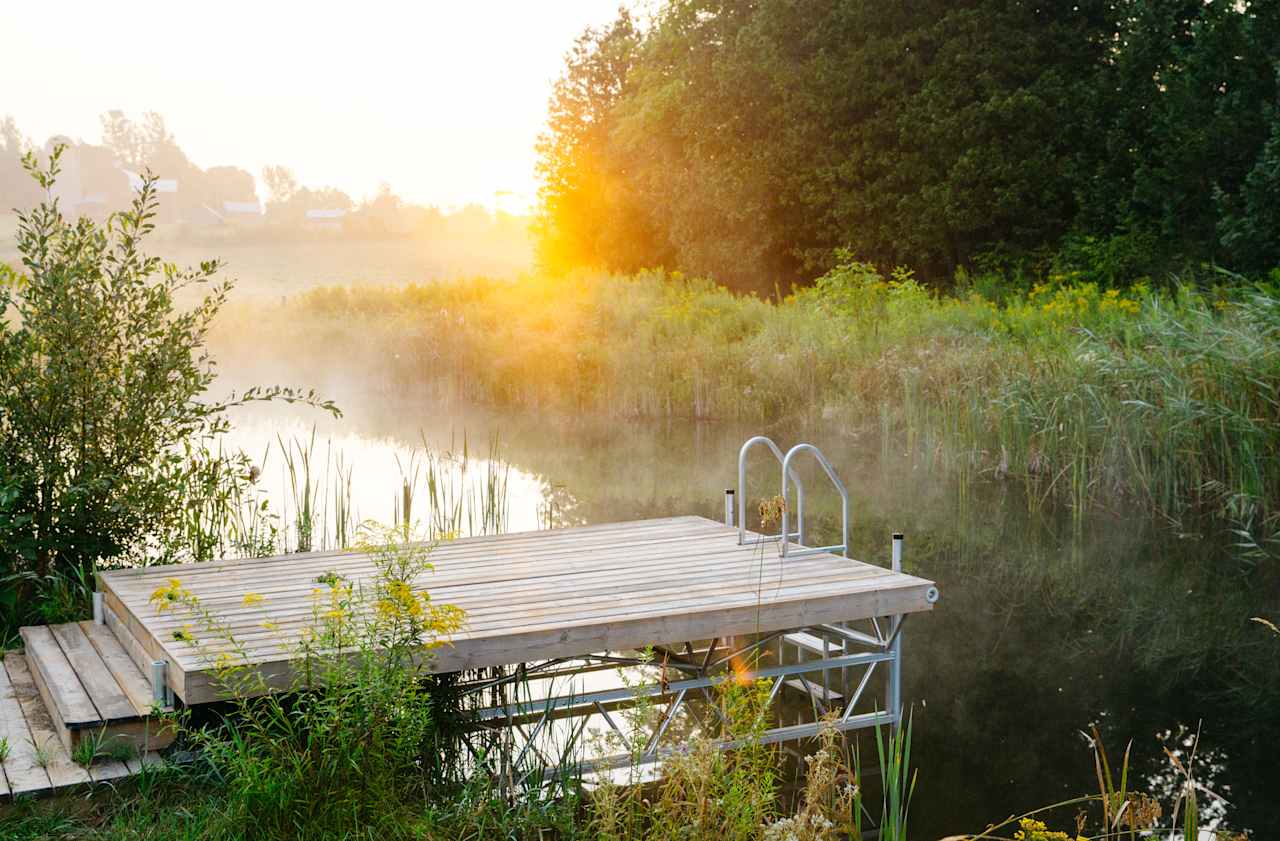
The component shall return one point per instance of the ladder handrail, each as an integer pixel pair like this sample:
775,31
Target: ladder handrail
742,491
835,480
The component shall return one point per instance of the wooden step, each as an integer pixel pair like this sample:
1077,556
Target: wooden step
37,760
92,688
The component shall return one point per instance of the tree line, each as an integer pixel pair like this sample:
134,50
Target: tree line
750,140
95,179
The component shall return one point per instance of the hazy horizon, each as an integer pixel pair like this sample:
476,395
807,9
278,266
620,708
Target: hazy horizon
443,102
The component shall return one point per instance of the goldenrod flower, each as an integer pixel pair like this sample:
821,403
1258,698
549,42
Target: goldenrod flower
168,595
250,599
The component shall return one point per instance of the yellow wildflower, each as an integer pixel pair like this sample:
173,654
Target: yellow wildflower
184,634
168,595
250,599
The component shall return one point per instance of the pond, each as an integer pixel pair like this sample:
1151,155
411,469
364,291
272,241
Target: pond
1049,624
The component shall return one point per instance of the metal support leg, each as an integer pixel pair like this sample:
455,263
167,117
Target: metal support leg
161,694
893,690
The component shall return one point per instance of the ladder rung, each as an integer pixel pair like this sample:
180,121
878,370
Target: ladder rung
813,643
827,696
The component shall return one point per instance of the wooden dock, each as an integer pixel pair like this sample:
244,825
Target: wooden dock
527,596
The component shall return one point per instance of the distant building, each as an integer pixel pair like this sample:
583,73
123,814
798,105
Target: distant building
245,213
88,182
162,185
325,220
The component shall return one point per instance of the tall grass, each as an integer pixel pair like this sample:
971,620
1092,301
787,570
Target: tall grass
1167,399
446,492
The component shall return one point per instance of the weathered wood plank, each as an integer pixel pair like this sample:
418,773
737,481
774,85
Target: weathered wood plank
61,769
67,704
21,770
515,541
128,676
127,626
102,770
559,641
99,684
533,594
137,652
487,618
495,562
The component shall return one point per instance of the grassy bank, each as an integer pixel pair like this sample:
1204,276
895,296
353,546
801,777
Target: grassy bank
1165,398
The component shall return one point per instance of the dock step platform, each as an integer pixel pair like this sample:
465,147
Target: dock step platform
93,690
38,760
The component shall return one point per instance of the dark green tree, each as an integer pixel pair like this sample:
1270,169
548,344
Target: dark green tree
750,139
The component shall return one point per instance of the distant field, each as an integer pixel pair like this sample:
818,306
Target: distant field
281,268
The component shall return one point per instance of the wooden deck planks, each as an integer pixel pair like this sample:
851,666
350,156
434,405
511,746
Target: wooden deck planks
124,670
527,596
70,705
457,562
38,762
99,684
569,609
599,585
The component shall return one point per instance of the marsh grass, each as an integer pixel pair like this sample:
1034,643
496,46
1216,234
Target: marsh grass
352,746
1167,399
1119,811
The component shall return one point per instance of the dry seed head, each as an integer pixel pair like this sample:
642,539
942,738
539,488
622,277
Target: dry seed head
771,511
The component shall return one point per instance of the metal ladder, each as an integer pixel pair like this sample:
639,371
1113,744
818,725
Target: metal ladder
785,535
800,644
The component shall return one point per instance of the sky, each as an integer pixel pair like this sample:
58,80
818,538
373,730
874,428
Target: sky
442,99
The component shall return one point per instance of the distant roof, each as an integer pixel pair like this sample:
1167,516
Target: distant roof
242,207
336,213
163,185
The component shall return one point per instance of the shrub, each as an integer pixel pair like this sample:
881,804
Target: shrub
103,408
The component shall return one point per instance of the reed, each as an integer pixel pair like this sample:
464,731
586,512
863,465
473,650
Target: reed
448,493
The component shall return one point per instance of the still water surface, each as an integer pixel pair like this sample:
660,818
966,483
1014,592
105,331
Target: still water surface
1048,625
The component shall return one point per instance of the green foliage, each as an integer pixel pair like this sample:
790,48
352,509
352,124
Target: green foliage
749,141
702,791
898,779
103,408
359,741
580,185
